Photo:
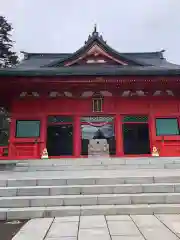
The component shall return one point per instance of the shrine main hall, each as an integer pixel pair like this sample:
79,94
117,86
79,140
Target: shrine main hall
60,101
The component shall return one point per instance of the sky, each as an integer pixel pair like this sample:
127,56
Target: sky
64,25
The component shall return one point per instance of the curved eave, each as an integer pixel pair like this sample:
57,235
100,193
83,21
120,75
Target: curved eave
70,71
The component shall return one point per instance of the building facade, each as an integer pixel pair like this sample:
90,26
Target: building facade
61,101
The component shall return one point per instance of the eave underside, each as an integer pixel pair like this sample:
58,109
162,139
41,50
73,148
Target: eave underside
12,87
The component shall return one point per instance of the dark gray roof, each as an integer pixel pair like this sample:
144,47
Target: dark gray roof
35,60
38,60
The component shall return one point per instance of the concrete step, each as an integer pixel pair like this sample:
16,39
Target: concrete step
98,164
89,189
97,180
89,200
40,212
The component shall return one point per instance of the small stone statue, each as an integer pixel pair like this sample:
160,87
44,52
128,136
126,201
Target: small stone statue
98,146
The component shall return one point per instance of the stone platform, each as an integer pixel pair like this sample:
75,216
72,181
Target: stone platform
129,227
96,163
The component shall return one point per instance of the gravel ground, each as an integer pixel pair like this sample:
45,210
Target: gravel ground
9,229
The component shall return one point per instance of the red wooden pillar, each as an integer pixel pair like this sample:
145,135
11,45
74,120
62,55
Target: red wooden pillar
11,150
77,137
118,134
152,133
43,136
152,128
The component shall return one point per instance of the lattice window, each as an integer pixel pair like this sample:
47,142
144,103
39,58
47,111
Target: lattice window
135,119
167,127
27,128
60,119
97,119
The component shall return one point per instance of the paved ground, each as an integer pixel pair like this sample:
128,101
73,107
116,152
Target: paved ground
134,227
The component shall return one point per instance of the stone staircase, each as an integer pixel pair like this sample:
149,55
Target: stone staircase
52,188
97,164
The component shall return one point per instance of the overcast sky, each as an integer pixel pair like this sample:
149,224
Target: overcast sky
63,26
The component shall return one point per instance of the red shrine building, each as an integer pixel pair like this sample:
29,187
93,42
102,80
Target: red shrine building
60,101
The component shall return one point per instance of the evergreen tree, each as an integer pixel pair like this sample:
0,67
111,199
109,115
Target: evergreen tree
4,126
8,58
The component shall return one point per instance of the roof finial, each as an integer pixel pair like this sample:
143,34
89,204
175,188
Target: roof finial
95,30
95,27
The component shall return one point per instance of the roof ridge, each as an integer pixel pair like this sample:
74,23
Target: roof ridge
28,54
149,52
31,54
